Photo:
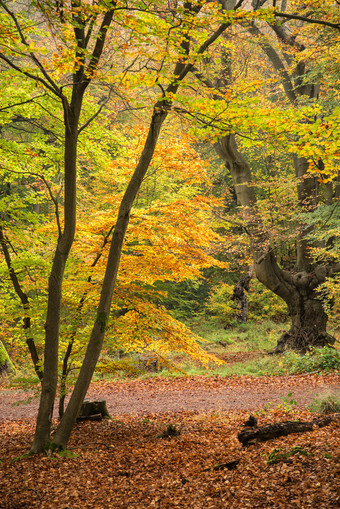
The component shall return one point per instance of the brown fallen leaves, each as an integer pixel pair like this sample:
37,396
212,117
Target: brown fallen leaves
124,463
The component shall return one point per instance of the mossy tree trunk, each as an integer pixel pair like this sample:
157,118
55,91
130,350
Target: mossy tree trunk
6,365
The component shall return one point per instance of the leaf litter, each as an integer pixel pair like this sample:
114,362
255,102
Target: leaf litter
132,461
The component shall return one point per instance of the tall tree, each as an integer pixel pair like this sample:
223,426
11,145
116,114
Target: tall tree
298,288
81,31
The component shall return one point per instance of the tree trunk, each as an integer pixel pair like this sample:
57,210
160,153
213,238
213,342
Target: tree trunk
240,297
97,336
6,365
65,240
25,304
298,290
308,328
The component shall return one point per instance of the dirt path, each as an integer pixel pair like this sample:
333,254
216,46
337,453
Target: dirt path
190,394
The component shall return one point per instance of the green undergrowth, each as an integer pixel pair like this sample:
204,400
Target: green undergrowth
318,360
247,337
326,403
242,347
244,350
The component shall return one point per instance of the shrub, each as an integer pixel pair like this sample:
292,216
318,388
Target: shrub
326,404
318,359
263,304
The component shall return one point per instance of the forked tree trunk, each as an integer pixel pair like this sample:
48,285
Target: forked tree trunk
82,76
160,113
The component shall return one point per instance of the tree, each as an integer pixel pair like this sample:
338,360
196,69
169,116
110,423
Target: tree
82,34
298,288
6,365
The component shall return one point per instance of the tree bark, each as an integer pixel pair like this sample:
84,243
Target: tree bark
252,435
297,289
65,240
240,297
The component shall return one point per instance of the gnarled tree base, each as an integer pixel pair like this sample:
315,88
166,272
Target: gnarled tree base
302,340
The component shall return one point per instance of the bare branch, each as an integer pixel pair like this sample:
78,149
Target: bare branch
52,85
88,122
306,19
22,102
29,75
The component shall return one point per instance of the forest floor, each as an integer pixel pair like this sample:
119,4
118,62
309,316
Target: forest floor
192,393
125,463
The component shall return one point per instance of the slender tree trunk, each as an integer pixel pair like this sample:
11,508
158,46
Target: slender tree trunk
6,365
307,189
65,240
25,304
97,336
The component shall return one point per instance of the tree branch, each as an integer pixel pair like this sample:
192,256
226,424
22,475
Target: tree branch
88,122
307,19
24,301
52,85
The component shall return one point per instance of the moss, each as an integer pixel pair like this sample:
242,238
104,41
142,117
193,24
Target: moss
102,318
6,365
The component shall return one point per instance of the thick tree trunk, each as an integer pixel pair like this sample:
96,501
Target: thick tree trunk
309,322
297,289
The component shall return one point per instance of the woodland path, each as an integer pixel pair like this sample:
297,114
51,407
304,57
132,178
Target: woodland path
193,394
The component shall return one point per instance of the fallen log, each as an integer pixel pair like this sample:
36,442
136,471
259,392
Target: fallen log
252,435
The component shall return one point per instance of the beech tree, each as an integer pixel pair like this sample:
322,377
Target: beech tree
317,180
82,33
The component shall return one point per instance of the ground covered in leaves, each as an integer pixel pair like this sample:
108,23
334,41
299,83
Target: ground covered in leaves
193,393
128,463
131,462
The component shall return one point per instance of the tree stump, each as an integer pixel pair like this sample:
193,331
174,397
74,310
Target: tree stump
93,410
149,362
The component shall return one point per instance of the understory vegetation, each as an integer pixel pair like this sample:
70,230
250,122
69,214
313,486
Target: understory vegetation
238,348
